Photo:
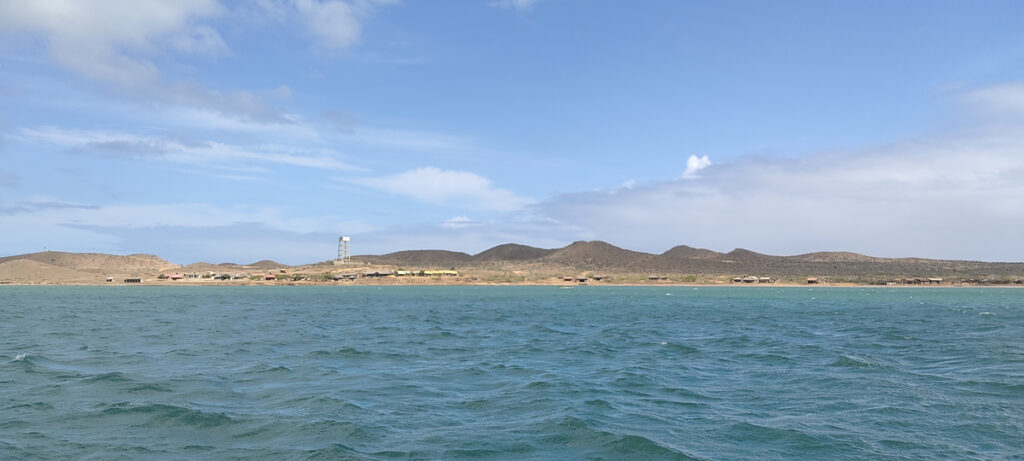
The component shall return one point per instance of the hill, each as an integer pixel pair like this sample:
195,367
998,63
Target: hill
420,258
522,262
97,262
32,271
512,252
684,251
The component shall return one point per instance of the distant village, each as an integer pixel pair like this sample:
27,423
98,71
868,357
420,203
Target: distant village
284,275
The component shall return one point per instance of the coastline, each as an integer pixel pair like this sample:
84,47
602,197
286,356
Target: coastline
380,283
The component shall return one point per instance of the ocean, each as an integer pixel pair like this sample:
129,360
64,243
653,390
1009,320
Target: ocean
343,372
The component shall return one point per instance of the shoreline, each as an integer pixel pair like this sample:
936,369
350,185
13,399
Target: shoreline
219,284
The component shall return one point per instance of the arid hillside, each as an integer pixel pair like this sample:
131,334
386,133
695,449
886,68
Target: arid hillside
514,262
597,256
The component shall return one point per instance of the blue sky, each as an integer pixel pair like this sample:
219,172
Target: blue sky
238,131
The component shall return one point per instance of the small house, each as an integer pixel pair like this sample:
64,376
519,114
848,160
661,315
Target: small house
812,280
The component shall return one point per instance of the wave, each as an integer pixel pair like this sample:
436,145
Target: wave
847,361
345,352
679,348
165,414
750,432
592,442
340,430
262,368
340,451
111,377
150,387
29,358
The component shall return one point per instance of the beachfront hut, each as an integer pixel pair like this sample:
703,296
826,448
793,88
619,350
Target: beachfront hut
132,280
934,281
812,280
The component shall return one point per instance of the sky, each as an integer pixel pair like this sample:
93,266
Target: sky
206,130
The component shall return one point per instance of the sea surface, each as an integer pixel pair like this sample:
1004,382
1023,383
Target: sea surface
644,373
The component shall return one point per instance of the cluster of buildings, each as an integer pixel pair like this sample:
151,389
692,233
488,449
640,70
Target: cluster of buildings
404,273
755,279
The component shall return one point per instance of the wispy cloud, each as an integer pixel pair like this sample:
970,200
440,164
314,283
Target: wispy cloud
199,153
120,43
189,231
437,186
458,222
114,41
42,204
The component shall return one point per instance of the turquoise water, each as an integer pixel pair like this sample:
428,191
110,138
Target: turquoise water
511,373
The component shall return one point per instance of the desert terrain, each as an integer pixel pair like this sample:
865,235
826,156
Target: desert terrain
581,262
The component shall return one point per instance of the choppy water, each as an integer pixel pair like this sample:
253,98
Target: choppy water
511,373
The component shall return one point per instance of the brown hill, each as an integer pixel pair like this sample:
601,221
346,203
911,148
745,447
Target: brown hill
264,264
32,271
423,258
97,262
597,255
512,252
684,251
838,256
745,255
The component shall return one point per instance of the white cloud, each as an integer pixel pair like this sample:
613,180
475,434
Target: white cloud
514,4
1002,100
437,186
332,23
114,41
195,153
694,164
947,196
121,42
457,222
184,232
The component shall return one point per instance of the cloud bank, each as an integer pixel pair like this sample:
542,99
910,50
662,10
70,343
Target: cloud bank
944,197
439,187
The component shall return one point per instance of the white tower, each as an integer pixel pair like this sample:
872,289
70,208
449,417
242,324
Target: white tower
343,256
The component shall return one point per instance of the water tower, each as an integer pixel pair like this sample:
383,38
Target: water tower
343,255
